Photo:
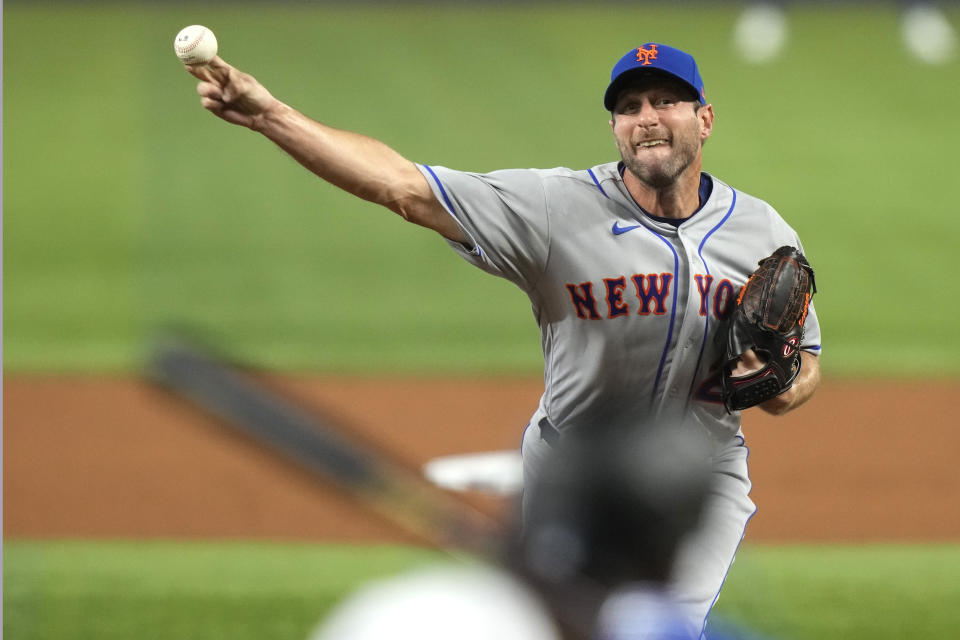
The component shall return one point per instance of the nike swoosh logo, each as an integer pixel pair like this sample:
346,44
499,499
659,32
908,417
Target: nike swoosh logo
617,229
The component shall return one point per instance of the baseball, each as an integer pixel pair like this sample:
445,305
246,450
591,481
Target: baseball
195,45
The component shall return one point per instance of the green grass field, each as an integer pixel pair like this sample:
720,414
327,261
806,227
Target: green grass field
242,591
127,207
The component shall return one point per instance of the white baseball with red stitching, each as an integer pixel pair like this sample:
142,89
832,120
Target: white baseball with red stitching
195,44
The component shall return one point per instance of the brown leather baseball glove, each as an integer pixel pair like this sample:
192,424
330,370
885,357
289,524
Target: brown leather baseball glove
769,318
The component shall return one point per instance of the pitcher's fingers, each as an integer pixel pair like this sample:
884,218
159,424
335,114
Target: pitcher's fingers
213,105
200,72
219,69
209,90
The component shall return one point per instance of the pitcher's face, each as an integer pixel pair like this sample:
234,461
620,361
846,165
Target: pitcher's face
659,132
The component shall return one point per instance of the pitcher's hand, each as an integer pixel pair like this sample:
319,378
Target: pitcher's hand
231,94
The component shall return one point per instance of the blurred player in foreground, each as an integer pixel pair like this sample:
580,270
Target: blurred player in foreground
601,539
632,268
591,560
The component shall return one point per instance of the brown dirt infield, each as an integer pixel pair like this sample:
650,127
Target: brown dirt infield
116,458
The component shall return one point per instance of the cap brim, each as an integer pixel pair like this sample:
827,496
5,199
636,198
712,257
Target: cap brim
634,76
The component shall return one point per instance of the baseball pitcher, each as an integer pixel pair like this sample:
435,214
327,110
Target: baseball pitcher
635,269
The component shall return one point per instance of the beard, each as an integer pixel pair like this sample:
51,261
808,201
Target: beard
656,172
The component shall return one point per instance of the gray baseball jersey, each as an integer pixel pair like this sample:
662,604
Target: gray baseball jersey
628,308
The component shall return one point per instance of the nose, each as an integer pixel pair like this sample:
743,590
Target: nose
648,116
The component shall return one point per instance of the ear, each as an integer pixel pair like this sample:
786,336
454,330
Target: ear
705,115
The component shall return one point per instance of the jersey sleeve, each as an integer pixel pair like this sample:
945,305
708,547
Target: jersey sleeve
784,234
811,326
811,333
504,215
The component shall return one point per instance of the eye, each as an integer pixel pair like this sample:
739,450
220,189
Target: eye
665,101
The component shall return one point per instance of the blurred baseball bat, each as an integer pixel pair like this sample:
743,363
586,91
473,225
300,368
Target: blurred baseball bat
402,497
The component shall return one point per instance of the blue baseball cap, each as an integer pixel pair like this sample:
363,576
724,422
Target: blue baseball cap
653,58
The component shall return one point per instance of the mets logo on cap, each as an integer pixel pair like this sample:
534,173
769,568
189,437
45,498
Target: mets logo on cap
645,55
645,58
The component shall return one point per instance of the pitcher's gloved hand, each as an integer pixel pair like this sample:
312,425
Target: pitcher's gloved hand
769,318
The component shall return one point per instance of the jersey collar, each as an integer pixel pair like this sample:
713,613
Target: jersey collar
703,193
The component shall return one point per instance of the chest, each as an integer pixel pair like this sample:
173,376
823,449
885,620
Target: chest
620,268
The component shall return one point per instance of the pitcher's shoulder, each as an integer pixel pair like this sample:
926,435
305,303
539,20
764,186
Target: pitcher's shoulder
754,215
747,203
